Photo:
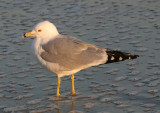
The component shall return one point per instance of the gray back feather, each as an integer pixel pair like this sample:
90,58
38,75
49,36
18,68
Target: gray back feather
70,52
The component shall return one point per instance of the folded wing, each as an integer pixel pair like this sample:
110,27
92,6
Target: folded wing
72,53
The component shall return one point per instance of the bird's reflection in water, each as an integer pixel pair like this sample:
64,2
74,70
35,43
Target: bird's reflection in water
59,108
73,103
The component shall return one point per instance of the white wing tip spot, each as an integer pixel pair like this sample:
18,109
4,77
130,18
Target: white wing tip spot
112,58
120,58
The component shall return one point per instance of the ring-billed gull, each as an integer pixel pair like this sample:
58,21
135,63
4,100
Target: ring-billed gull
67,55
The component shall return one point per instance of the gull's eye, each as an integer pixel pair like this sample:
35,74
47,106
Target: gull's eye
39,30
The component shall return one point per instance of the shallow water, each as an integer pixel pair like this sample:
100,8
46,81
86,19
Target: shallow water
124,87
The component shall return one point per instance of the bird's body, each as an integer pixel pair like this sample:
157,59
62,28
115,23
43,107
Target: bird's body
66,55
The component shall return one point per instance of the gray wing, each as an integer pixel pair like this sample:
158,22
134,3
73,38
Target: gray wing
71,53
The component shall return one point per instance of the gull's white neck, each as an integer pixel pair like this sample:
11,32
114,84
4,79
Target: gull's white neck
45,40
38,42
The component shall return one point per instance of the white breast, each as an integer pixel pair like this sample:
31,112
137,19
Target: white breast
37,50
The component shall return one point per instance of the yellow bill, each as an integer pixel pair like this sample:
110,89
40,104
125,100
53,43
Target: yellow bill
27,34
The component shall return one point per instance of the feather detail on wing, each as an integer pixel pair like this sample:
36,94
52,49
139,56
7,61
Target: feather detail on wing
72,53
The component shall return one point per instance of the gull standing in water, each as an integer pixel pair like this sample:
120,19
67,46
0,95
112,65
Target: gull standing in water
67,55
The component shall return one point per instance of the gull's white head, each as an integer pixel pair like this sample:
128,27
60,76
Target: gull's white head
42,30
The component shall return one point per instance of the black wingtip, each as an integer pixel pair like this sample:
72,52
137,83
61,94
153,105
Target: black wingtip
116,56
134,56
131,56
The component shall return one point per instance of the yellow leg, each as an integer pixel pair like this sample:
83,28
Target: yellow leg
58,86
73,89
